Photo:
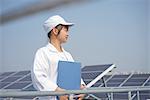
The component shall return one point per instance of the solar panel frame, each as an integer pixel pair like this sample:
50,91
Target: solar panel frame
25,82
108,69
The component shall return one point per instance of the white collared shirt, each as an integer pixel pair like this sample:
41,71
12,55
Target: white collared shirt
44,71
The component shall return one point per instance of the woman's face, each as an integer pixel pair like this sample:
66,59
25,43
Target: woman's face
63,35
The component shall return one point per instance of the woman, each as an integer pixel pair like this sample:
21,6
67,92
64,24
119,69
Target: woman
44,72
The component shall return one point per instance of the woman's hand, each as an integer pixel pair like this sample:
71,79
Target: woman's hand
81,96
63,97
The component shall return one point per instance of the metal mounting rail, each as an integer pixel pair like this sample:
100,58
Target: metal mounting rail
12,94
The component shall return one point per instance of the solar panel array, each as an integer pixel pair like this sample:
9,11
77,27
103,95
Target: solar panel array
16,80
21,81
117,80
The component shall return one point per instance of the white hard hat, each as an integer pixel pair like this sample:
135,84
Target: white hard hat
53,21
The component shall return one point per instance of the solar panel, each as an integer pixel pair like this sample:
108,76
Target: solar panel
17,85
26,79
95,68
144,95
10,79
100,82
116,80
3,84
90,75
21,73
95,73
148,83
29,88
136,80
22,81
6,74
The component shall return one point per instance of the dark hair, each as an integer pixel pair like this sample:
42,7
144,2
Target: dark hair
59,27
49,34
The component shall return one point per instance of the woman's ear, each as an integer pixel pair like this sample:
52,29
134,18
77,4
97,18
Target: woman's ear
55,31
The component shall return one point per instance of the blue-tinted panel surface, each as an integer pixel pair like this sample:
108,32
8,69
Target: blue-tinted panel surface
11,79
6,74
116,80
27,78
97,84
120,76
144,95
90,75
101,82
136,80
30,88
1,78
3,84
21,73
148,83
133,84
112,84
18,85
96,67
140,75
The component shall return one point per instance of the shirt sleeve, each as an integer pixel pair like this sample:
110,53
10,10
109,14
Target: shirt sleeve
82,82
40,74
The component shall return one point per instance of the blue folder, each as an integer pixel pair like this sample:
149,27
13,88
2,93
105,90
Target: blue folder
69,75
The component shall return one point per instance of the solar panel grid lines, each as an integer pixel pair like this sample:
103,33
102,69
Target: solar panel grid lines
11,79
125,80
17,85
148,80
116,80
21,73
100,82
112,80
26,79
113,77
29,88
106,80
95,67
6,75
148,83
107,70
92,72
5,87
136,79
90,75
120,77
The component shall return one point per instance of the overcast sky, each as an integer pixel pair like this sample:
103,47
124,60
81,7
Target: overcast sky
105,31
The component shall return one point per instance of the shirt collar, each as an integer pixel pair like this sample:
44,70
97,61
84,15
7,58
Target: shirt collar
53,49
